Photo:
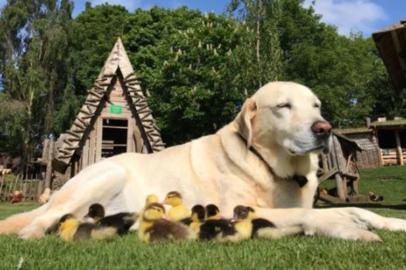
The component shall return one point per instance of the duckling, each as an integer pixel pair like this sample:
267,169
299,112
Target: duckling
212,212
154,228
178,210
151,198
121,222
95,213
246,213
197,218
71,229
215,227
248,225
242,224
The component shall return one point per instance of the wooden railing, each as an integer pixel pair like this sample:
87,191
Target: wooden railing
390,156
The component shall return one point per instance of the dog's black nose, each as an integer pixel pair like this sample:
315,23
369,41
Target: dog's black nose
321,128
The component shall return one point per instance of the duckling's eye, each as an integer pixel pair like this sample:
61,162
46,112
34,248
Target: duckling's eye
286,105
316,105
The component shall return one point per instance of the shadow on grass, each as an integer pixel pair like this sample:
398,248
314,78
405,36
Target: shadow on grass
365,205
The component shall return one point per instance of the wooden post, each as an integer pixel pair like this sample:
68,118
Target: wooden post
48,174
341,187
324,163
376,141
399,153
2,180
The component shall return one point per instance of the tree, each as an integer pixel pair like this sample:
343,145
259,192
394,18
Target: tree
185,61
261,18
33,64
93,34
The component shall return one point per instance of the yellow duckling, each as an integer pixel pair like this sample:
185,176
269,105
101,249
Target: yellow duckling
247,225
151,198
153,227
243,216
178,210
71,229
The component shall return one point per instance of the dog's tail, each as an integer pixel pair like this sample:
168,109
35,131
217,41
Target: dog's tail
15,223
277,233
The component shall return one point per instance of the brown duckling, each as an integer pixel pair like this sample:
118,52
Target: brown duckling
154,228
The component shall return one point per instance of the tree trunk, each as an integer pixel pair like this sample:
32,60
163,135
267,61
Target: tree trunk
258,40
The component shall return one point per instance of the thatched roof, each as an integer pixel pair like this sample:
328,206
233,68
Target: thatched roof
116,68
391,44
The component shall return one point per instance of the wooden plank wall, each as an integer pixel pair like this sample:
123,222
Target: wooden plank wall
370,156
91,151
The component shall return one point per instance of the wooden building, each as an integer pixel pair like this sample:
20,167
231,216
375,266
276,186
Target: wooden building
383,142
391,44
391,138
340,165
115,118
370,156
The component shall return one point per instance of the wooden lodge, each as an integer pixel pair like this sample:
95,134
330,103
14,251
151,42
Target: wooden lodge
115,118
391,139
366,139
383,142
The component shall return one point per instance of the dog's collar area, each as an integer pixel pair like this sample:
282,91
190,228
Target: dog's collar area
299,179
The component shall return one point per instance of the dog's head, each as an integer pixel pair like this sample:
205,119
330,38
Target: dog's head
284,115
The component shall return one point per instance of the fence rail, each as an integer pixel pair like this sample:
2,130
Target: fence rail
30,188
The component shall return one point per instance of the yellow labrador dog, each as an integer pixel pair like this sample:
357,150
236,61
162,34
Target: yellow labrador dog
265,158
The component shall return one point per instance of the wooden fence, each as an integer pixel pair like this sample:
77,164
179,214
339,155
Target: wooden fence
392,157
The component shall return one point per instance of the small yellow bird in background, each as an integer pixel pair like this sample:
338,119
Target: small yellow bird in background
178,210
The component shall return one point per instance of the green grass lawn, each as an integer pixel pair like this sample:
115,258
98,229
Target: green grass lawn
291,253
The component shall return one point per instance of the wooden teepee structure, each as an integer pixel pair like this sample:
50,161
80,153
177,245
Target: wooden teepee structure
114,118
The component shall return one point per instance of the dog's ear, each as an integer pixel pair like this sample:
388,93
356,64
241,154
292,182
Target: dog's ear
244,120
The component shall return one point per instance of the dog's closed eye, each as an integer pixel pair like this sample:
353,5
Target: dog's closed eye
286,105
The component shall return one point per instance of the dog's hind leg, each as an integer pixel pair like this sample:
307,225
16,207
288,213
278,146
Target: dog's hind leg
15,223
99,183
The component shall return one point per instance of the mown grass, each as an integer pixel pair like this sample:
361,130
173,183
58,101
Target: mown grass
292,253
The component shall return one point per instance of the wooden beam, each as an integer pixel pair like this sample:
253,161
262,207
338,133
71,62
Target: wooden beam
341,187
399,153
48,173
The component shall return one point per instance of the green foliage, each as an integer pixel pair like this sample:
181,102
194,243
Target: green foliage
189,70
93,33
261,48
196,69
33,66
